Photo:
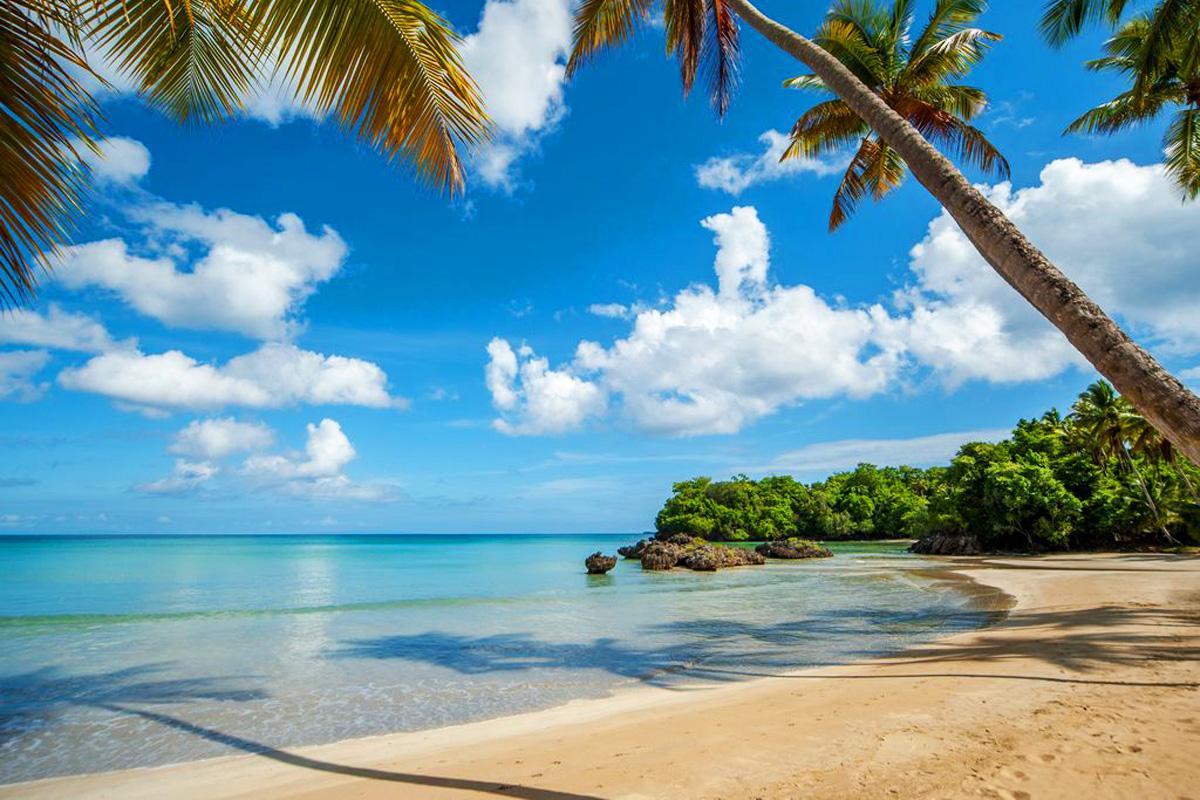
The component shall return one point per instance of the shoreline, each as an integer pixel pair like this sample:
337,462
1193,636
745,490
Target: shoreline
790,734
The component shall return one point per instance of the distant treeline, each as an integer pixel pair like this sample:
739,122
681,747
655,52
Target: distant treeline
1099,477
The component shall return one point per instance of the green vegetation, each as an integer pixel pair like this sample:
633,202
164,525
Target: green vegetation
1158,53
1101,477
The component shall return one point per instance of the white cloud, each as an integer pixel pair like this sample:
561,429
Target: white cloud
213,439
274,375
518,57
187,476
610,310
847,453
318,471
253,278
534,398
734,174
714,361
710,362
121,160
1116,228
17,371
57,330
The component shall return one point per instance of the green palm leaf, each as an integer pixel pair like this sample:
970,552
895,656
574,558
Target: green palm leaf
45,117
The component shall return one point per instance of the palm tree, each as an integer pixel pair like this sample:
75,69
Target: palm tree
705,32
1101,418
1170,82
911,76
387,70
1147,442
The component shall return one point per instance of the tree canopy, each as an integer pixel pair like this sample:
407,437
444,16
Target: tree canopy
1099,477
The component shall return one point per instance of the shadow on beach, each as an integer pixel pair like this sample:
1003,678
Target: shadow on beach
35,698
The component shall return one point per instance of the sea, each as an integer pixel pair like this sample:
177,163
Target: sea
125,651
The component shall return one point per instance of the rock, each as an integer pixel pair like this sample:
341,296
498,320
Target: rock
633,551
681,539
710,557
793,548
943,544
661,555
598,563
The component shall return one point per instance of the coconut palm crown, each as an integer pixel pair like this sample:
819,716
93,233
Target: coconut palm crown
387,71
913,75
1167,82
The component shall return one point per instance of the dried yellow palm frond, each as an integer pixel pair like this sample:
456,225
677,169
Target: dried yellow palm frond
604,23
389,70
45,115
195,60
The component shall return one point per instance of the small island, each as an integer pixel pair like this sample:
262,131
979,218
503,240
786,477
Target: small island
1099,478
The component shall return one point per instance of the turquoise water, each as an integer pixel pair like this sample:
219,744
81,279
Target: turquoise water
136,651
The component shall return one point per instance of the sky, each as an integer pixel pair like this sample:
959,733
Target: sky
264,327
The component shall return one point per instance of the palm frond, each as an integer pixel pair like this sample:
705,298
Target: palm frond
883,172
194,60
806,82
721,55
953,56
948,17
852,188
1063,20
45,117
824,128
604,23
846,42
1125,110
389,70
685,23
1182,141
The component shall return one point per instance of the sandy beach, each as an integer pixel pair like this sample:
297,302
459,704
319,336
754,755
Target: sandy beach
1087,688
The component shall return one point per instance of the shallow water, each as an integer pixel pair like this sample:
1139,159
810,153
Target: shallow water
135,651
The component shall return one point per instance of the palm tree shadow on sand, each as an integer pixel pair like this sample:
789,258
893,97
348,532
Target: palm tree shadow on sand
37,697
1075,646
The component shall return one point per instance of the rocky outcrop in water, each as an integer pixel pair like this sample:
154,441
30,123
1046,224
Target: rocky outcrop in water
710,558
598,563
661,555
793,548
942,544
633,551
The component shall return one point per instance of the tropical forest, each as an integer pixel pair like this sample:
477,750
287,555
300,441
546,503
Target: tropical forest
1098,477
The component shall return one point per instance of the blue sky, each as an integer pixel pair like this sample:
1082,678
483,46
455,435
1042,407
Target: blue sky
441,340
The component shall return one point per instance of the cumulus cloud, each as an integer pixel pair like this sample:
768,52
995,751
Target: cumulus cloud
121,160
1115,227
252,278
318,471
212,439
275,375
534,398
710,362
18,370
713,361
518,57
57,330
736,173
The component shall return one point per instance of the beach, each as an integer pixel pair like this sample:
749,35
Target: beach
1090,682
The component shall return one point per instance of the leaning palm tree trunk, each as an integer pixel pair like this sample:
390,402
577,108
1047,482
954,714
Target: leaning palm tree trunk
1156,393
1141,482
